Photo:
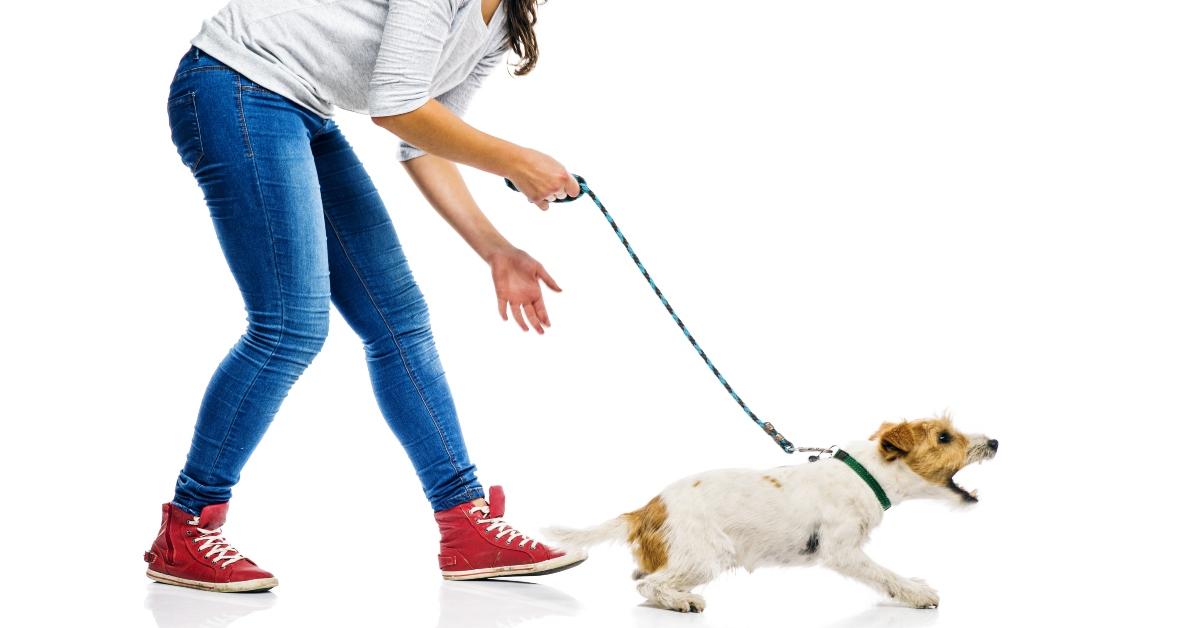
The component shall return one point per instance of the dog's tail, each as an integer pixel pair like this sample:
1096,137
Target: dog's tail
616,529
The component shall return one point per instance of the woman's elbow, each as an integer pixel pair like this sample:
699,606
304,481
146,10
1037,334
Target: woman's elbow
397,110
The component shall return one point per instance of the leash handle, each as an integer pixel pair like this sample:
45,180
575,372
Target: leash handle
784,444
583,189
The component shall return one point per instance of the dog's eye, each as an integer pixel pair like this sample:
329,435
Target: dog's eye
944,437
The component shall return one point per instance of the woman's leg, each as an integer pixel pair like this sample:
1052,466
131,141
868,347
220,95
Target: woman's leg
249,149
374,290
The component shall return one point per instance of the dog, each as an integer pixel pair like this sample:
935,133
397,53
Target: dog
821,512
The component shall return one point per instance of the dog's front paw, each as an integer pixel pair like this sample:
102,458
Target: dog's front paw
916,593
683,602
689,603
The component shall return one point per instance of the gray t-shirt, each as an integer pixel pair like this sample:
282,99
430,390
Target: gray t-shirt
374,57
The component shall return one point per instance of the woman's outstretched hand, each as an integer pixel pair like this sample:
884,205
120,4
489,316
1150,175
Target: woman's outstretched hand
516,276
542,179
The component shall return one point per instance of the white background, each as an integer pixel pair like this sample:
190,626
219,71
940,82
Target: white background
865,211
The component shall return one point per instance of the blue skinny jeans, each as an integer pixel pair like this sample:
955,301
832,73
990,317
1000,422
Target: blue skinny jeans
301,224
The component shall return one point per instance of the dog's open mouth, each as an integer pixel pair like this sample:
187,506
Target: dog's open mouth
967,496
978,456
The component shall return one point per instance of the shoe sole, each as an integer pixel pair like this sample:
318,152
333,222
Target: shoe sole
244,586
554,565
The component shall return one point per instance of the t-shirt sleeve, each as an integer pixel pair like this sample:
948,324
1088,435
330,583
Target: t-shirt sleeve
414,33
459,96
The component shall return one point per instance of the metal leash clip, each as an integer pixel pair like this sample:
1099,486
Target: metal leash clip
828,452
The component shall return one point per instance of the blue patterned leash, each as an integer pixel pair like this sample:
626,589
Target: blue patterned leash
784,443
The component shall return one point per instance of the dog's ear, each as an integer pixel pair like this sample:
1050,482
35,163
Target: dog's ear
895,440
882,428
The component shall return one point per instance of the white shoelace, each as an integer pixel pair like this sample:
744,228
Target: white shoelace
504,528
218,548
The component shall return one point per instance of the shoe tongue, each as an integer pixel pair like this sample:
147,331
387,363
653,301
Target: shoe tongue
213,517
495,502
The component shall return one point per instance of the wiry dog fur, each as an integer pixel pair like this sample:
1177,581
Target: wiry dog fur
811,513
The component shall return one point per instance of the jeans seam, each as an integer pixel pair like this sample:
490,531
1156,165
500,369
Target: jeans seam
403,354
199,135
246,135
279,290
205,68
191,96
325,128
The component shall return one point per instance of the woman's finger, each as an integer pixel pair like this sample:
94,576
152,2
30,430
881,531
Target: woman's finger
540,307
573,189
516,314
532,315
503,308
545,276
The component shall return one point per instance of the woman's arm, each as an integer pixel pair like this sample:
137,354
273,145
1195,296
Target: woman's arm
399,100
514,272
435,129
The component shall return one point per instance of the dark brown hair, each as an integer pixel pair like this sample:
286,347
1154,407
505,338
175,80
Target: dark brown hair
522,15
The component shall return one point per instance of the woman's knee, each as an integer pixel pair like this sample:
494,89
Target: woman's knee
296,335
304,335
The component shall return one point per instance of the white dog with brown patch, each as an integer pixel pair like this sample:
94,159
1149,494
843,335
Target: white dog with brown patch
815,513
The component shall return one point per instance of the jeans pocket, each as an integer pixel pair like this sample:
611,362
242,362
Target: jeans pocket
185,129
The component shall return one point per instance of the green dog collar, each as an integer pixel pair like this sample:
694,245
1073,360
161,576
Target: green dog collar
866,477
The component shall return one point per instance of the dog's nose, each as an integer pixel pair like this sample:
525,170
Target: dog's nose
993,444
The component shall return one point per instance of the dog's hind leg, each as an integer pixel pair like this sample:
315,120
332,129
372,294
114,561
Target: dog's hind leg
672,589
697,555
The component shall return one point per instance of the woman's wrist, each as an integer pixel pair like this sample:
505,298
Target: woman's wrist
493,249
510,160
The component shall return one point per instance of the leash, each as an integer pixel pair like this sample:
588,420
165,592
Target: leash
779,439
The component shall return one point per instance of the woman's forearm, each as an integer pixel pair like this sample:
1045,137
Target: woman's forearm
443,186
435,129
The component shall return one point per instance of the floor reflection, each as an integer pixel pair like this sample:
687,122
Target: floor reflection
890,616
646,615
500,603
177,607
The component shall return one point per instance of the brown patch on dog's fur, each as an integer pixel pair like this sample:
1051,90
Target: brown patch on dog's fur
916,442
646,535
696,483
773,481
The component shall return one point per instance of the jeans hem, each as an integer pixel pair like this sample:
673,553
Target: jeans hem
467,495
185,508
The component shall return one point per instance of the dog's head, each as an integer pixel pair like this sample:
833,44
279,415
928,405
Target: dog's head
934,450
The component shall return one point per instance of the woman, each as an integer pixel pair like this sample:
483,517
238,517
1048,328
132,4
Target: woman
301,225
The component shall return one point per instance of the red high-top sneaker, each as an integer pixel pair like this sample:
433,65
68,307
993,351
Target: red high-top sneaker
191,552
477,543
